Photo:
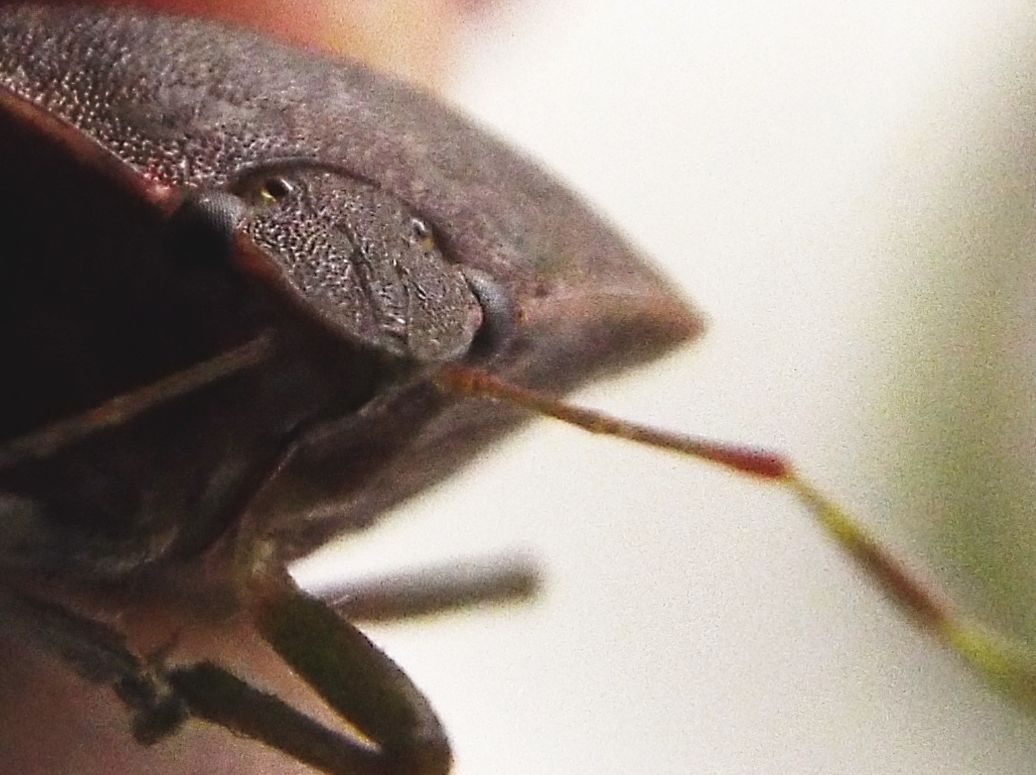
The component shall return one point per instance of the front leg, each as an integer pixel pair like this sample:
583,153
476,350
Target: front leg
352,675
399,732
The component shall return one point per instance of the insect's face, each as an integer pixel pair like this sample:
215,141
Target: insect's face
357,258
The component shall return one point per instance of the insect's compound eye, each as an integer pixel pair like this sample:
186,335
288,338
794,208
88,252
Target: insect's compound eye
204,224
499,314
274,189
421,235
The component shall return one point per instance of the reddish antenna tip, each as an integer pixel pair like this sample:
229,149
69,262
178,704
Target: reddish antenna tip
758,462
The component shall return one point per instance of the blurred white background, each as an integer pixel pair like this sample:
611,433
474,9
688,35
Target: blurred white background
845,189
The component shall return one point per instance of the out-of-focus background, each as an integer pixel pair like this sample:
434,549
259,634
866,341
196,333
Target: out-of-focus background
846,189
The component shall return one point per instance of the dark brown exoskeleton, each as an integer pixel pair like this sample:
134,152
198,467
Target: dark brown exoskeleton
233,277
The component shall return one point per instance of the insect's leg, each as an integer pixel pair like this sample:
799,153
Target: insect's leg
1003,662
435,590
49,439
162,699
98,654
351,675
220,697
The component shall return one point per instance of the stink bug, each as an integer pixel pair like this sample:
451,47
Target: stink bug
268,346
249,314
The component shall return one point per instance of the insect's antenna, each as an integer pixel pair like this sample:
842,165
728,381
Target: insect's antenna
1006,663
50,438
